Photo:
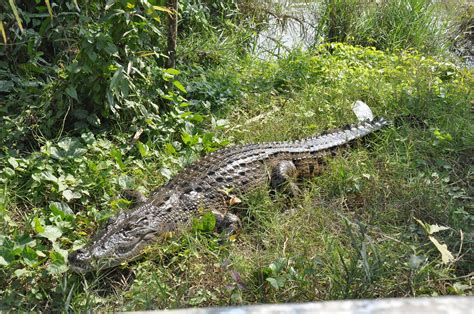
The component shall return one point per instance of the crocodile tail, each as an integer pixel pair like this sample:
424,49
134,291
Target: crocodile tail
345,135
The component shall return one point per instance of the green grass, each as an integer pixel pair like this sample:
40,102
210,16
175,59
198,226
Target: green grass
352,234
423,25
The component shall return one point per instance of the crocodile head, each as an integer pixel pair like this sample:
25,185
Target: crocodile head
124,236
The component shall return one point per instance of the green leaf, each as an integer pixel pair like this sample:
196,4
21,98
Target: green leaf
165,172
116,78
119,204
40,253
37,225
169,148
208,221
61,209
71,92
172,71
48,176
125,182
72,147
162,9
51,233
59,250
179,86
192,116
273,282
205,223
3,261
56,153
12,161
22,272
88,137
70,195
189,139
117,155
57,264
30,258
9,172
143,149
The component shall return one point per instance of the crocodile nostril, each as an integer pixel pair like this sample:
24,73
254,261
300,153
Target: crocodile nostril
74,256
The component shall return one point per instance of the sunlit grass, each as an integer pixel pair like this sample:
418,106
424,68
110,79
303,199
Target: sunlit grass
351,234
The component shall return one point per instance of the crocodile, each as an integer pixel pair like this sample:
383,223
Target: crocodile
213,183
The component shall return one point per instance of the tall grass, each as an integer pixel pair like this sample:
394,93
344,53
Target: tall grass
394,24
338,19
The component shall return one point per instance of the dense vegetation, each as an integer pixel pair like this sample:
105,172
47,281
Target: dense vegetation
88,109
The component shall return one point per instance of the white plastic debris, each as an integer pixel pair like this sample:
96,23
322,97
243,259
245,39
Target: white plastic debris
362,111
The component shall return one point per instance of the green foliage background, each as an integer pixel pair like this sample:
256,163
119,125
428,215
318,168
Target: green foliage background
88,110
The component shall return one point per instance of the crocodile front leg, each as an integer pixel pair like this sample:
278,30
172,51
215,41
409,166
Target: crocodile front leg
227,222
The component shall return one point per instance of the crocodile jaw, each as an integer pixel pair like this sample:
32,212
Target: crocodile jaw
80,261
122,238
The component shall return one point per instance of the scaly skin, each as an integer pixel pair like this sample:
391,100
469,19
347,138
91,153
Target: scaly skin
206,185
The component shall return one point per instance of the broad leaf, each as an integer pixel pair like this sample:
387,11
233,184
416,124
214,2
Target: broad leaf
276,283
37,225
58,263
61,209
12,161
51,233
143,149
273,282
446,255
3,261
172,71
117,155
70,195
71,92
48,176
22,272
436,228
179,86
30,257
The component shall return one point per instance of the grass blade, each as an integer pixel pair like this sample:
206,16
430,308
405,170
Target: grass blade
2,30
15,12
50,10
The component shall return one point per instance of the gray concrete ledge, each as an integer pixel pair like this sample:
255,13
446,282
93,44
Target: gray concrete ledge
429,305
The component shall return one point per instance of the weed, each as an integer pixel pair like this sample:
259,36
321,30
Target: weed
364,228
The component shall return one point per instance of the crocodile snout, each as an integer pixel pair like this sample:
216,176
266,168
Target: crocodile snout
79,261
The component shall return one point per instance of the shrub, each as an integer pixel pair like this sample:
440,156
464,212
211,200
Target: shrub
397,24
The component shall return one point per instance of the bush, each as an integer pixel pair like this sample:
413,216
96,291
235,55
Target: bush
397,24
354,232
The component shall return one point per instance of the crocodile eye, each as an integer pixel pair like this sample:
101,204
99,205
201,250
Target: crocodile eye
122,250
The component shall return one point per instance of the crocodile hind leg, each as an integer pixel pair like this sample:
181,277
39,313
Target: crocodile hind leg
227,222
283,177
